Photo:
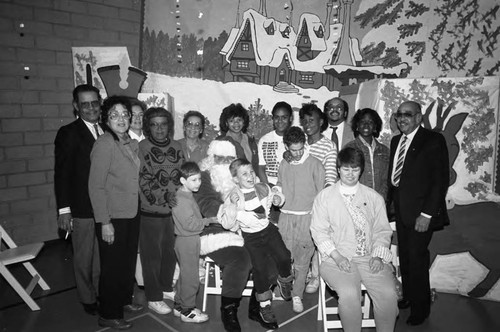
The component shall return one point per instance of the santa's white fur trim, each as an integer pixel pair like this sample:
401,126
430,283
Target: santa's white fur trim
221,148
215,241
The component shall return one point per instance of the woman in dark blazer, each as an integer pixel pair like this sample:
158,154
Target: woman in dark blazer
114,193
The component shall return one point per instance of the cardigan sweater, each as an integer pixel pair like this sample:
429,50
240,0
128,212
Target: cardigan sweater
332,227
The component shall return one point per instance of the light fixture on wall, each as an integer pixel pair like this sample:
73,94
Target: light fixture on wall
26,72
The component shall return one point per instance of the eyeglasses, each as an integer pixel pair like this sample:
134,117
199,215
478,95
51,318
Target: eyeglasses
90,104
115,116
192,125
407,116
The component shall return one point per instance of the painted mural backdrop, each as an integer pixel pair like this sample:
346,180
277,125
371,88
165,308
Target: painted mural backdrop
464,110
258,52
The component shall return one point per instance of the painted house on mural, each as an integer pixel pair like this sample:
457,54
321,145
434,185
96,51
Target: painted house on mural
263,50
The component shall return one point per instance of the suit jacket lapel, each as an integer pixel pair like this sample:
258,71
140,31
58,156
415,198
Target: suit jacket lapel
413,149
85,133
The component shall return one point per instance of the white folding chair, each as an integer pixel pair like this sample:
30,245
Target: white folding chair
215,287
327,313
14,254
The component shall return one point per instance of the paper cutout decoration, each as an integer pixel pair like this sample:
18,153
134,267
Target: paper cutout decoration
457,273
122,82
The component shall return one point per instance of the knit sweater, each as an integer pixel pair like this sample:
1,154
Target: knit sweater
326,152
300,182
187,216
159,174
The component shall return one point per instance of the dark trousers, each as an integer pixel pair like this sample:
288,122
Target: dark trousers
116,284
414,259
157,241
85,259
262,245
235,265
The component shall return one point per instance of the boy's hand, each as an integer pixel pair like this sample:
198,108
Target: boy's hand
234,197
276,200
171,198
375,264
287,155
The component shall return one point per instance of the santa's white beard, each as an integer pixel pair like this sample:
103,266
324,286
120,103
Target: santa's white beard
222,179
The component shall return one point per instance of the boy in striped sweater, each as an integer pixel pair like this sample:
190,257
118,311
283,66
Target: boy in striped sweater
262,239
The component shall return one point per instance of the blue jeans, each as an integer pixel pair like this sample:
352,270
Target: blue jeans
380,286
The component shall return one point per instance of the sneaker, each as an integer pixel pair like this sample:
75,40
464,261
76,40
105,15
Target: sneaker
177,309
312,285
169,295
159,307
277,295
194,316
285,287
297,304
267,318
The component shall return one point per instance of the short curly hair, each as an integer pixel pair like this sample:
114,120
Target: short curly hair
106,107
309,110
197,114
154,112
234,111
360,114
294,135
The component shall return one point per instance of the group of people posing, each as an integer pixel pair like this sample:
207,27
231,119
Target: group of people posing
298,204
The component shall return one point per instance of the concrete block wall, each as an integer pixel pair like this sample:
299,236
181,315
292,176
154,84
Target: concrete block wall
35,103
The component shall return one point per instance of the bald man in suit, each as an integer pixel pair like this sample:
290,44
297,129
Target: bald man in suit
419,179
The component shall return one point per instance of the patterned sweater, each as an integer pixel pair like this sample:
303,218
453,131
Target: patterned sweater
159,174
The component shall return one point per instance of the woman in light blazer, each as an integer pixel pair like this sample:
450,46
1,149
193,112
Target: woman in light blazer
114,193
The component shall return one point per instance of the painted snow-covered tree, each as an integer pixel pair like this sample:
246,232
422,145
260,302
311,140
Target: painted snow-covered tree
442,114
444,37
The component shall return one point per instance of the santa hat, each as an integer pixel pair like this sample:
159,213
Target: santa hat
221,148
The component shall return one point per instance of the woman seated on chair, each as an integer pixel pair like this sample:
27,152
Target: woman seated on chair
350,228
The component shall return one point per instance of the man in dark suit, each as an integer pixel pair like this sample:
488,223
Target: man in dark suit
419,178
336,111
73,144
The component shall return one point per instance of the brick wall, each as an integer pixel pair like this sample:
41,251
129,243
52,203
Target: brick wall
33,108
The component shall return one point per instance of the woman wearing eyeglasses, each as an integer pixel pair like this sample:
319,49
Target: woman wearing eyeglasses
161,158
194,147
114,194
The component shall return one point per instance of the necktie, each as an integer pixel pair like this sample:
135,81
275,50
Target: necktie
399,164
335,138
96,128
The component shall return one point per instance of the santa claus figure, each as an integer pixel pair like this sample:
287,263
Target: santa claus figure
220,242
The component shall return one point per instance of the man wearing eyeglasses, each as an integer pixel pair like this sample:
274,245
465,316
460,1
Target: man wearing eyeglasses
338,130
73,144
419,179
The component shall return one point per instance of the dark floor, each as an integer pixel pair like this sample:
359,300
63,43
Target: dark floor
62,312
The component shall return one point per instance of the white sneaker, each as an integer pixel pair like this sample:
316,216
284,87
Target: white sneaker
297,304
159,307
169,295
312,285
195,316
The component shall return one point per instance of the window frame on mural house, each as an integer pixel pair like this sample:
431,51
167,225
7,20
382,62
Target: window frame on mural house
245,47
306,77
243,64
